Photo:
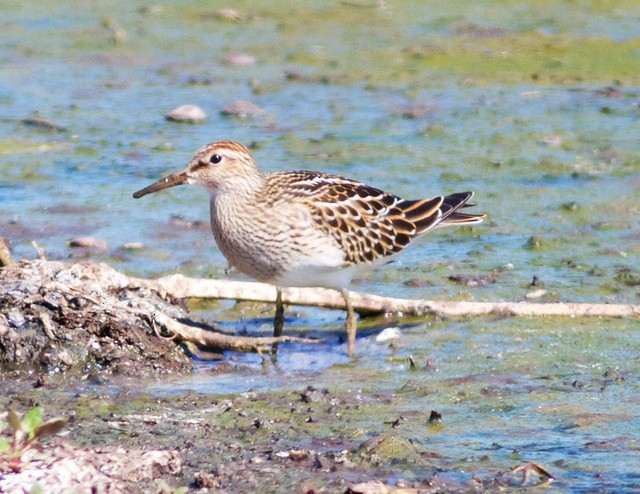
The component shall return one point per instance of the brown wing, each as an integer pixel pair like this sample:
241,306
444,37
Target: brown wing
366,222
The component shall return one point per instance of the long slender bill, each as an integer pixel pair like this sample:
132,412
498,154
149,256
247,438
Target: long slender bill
178,178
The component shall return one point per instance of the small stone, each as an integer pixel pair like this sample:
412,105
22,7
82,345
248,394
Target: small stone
388,334
43,124
551,140
416,111
197,80
89,243
133,246
15,318
4,326
297,454
243,109
187,114
117,34
570,206
151,9
536,294
534,243
465,28
239,59
206,480
229,14
417,283
530,94
54,300
609,92
65,358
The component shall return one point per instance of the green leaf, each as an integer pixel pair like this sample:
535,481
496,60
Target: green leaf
5,444
31,420
14,420
50,427
36,489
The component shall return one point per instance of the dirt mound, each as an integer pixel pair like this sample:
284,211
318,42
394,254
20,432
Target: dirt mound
82,317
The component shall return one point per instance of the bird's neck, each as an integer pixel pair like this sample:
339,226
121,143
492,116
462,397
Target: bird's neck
237,193
232,207
238,189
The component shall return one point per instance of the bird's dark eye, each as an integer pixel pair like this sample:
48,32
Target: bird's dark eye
215,159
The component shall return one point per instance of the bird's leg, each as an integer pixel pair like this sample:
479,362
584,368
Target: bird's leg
278,321
350,324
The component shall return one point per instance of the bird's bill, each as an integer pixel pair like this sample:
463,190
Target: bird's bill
164,183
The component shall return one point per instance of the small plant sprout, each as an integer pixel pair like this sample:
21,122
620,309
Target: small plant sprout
26,432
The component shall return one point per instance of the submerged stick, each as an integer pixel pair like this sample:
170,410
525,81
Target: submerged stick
192,334
180,286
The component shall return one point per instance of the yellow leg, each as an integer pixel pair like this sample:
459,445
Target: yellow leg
278,320
350,324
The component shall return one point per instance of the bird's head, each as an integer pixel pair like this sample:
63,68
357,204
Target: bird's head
216,166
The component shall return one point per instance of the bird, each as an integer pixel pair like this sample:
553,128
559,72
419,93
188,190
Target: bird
306,228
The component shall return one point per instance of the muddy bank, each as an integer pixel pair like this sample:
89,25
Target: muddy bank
77,340
310,441
506,392
79,319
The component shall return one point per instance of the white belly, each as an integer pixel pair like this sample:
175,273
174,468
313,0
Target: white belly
318,276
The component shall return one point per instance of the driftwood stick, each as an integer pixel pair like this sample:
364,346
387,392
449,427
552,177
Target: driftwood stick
182,332
180,286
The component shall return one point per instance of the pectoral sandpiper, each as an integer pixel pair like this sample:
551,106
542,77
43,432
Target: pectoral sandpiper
303,228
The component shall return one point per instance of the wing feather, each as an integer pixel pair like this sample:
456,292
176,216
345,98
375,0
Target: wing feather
367,223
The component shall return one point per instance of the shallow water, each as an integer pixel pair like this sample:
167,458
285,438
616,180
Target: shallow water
416,99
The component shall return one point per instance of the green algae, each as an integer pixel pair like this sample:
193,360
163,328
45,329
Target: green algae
537,58
500,43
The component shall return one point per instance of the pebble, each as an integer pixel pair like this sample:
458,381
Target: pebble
15,318
530,94
186,113
388,334
4,326
297,454
196,80
416,111
43,124
239,59
229,14
65,358
536,294
187,224
89,243
551,140
243,109
133,246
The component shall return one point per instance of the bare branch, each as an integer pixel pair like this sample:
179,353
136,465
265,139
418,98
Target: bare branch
193,334
180,286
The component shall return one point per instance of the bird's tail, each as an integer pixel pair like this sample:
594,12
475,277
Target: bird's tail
450,214
425,214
